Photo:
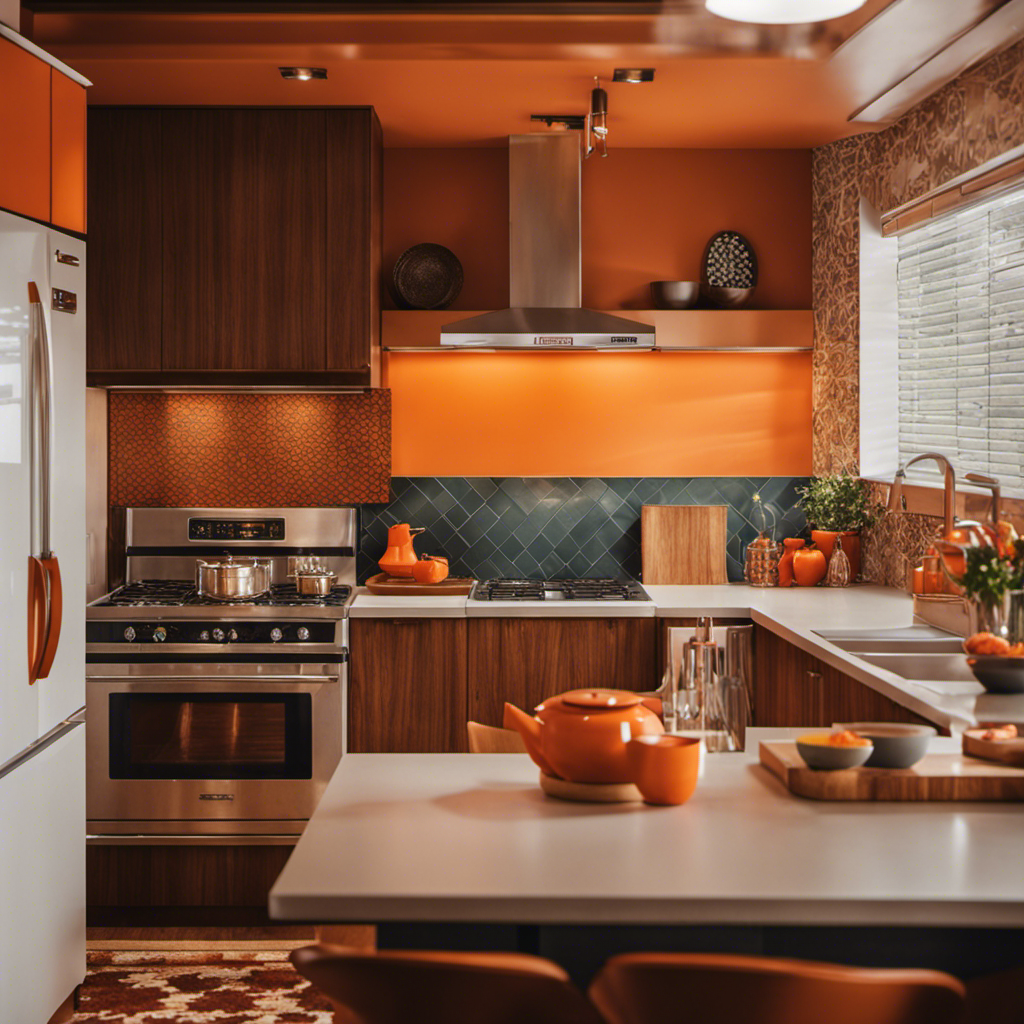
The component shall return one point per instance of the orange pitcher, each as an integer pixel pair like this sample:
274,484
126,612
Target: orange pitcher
400,556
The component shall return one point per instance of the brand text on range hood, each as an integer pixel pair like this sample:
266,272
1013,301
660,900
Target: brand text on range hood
545,262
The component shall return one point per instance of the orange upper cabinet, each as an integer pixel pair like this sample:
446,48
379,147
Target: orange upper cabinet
67,135
25,131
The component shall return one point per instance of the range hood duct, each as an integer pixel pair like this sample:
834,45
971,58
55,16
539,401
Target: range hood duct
545,261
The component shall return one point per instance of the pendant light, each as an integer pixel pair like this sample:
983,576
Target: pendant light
782,12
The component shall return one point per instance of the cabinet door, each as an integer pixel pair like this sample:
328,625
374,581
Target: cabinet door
354,238
125,245
67,152
244,213
407,686
522,661
25,131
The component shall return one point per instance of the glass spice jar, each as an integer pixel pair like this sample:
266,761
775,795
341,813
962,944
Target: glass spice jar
761,563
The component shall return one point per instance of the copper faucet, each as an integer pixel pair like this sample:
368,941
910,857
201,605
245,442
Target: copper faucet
897,503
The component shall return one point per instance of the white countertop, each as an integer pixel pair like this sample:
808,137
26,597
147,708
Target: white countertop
470,837
793,613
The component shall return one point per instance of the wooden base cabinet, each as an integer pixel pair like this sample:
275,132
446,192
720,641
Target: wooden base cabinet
793,688
522,661
407,686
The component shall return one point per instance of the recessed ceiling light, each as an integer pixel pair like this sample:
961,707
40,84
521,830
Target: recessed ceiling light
303,74
633,75
782,12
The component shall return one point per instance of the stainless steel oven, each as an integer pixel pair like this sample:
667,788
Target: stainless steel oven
209,717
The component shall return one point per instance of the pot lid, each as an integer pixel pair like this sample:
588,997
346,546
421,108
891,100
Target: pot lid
600,700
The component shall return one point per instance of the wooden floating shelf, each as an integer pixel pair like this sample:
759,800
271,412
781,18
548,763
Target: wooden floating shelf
678,330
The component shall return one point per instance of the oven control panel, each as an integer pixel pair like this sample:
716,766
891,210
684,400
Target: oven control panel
235,529
214,632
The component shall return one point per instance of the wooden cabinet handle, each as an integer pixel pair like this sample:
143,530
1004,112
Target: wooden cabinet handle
817,682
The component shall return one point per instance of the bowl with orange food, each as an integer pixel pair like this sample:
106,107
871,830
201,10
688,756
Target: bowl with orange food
996,663
834,751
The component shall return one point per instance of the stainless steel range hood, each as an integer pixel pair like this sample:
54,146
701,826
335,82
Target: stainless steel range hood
545,263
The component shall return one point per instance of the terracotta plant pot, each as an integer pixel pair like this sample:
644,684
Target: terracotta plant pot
850,540
809,567
792,545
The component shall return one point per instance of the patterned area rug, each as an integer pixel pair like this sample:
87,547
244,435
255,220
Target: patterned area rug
197,988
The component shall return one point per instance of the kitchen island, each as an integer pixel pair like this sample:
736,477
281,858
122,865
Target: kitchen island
471,840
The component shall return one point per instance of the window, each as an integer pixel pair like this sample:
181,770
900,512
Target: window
960,299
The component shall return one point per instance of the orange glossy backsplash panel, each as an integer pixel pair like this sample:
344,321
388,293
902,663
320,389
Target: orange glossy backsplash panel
249,450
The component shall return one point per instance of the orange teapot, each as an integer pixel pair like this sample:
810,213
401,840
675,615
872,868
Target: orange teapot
581,735
400,556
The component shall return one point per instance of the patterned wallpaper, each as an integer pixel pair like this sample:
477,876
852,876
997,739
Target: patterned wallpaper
241,450
974,118
562,527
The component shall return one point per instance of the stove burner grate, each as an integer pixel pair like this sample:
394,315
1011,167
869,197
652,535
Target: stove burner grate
179,593
559,590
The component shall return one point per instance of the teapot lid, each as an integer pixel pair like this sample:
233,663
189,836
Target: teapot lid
600,700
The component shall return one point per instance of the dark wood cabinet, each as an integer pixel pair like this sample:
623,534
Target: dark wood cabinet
125,247
245,241
407,686
793,688
522,661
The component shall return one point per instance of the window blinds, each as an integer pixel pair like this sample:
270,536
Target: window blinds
961,340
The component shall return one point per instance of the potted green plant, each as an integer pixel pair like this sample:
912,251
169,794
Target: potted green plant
838,508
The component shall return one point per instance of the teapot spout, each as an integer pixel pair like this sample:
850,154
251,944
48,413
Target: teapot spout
529,728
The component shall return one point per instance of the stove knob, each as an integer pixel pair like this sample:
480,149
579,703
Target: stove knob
303,633
276,634
233,635
205,635
218,635
129,634
159,634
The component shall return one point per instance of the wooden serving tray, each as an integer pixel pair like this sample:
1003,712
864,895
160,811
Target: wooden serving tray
1009,752
935,777
396,586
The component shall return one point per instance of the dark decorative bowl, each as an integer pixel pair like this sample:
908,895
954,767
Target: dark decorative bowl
998,674
427,276
727,298
675,294
897,745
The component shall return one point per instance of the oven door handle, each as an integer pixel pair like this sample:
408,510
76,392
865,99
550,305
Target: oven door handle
224,681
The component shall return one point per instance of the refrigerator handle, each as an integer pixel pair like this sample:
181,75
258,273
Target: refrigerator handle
45,594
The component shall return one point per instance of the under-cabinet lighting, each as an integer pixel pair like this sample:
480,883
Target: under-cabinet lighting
303,74
782,12
634,75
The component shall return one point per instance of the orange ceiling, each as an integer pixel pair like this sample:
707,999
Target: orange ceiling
447,82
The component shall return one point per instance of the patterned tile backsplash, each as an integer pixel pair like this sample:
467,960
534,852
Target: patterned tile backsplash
563,527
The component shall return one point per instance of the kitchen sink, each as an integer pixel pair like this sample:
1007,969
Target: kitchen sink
912,652
940,668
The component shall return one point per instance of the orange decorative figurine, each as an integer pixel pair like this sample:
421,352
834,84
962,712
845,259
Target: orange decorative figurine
400,556
581,736
809,566
430,569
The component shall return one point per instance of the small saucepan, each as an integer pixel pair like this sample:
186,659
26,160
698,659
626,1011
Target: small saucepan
233,579
315,582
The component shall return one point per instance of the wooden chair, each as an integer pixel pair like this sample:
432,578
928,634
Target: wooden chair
443,988
486,739
663,988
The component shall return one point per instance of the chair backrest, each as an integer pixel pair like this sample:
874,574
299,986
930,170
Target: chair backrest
395,987
653,988
486,739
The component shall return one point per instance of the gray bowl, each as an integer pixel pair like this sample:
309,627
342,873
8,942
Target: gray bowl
897,745
727,298
832,759
675,294
997,673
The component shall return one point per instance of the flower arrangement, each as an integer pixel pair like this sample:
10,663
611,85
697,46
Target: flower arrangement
990,572
839,503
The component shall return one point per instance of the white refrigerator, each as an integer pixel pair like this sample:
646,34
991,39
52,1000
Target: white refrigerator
42,619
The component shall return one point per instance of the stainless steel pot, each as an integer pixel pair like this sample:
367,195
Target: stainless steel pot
233,579
315,583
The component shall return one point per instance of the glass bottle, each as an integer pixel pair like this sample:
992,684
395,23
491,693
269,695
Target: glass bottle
761,562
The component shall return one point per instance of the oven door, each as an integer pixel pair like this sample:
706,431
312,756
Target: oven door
217,748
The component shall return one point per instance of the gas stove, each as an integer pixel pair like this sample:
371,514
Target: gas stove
558,590
183,594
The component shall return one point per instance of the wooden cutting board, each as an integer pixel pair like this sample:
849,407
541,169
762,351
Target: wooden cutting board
1004,751
683,543
396,586
935,777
